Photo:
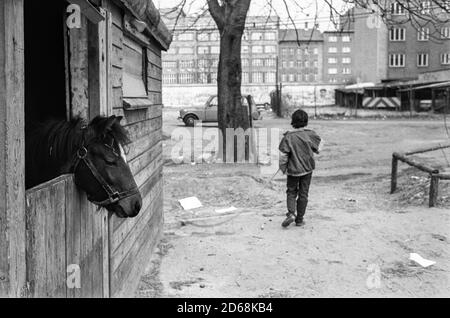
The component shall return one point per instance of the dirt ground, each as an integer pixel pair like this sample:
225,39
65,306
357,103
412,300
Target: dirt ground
357,237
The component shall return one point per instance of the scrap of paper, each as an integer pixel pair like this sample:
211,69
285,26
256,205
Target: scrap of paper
190,203
420,260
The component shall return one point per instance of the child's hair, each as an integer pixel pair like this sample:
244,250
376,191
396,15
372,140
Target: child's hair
299,119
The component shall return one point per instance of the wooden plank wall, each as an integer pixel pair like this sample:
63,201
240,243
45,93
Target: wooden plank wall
132,240
63,228
12,150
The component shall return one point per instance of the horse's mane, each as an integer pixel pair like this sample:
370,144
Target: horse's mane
53,143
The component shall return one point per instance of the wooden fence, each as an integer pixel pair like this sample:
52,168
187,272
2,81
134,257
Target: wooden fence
435,175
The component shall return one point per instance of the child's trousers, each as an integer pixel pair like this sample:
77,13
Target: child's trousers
297,195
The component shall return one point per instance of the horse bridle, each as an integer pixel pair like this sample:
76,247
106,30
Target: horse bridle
114,196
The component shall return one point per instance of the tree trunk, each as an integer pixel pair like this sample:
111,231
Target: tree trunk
231,114
230,19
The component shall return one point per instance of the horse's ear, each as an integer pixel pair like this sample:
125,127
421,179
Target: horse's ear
110,122
119,118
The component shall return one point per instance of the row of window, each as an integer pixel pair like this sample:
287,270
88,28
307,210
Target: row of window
211,77
399,59
292,51
299,77
345,49
191,63
271,49
183,64
425,7
335,60
292,64
335,71
214,36
423,34
256,36
189,78
333,38
260,62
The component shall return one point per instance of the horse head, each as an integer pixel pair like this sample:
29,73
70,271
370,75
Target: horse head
100,167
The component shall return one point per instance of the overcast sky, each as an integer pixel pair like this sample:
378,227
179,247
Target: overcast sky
301,10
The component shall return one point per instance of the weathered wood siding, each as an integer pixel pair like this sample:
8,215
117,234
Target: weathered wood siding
12,149
63,229
132,240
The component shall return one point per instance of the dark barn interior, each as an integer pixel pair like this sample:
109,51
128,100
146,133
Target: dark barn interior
45,84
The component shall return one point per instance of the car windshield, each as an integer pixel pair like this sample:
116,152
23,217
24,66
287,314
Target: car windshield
213,102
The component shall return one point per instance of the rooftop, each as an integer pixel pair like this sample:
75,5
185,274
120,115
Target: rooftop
302,35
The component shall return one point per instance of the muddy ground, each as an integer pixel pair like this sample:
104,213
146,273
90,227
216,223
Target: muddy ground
357,237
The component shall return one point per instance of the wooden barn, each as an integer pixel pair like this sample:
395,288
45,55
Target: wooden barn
78,58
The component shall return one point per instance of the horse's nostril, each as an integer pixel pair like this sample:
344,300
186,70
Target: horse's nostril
137,206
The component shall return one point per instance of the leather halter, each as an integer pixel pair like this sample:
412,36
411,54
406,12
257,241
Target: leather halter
114,196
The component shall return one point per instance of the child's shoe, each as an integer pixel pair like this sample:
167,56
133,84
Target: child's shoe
299,222
288,221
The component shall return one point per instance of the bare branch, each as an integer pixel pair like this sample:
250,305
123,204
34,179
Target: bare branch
217,12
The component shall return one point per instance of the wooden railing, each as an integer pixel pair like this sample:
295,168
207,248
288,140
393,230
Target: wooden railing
435,175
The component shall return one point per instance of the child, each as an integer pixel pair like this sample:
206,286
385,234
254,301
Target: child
297,161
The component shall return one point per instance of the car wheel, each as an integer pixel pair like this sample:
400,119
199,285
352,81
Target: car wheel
189,121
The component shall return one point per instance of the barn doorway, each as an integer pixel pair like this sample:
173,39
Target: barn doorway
45,66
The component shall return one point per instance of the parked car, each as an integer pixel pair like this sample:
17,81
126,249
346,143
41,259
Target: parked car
208,113
263,106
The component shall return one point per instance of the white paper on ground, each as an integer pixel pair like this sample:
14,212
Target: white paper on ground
225,210
190,203
420,260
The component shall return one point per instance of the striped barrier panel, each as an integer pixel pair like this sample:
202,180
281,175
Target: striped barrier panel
381,102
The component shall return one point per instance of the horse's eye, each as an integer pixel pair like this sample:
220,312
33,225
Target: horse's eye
110,162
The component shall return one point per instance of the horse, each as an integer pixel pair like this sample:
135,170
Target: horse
93,152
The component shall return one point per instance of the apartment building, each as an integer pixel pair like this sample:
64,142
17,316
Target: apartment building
338,57
300,56
194,54
415,49
400,50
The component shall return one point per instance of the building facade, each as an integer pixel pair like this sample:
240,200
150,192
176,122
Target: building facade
194,56
414,49
400,50
338,57
300,56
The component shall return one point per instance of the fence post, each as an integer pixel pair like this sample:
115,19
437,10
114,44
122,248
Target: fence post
394,173
434,190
